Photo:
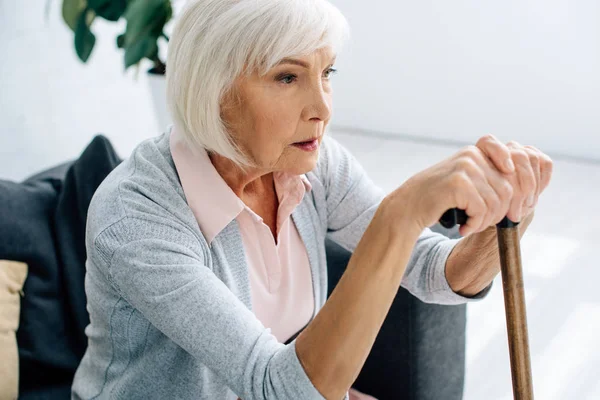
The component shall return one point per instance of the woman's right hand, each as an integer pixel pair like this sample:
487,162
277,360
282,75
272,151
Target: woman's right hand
467,180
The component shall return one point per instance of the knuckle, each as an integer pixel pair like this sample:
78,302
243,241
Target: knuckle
466,164
546,161
531,149
534,158
506,191
459,179
535,161
470,151
520,156
487,138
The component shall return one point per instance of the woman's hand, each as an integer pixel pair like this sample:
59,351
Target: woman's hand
480,180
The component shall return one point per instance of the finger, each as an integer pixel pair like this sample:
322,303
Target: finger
526,181
468,199
492,202
498,152
486,192
534,161
475,210
546,167
498,201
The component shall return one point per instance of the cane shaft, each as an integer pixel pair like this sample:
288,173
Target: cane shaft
516,316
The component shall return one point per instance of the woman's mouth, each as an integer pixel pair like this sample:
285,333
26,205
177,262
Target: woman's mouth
310,145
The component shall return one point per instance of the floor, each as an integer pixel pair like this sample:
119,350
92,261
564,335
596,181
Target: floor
560,272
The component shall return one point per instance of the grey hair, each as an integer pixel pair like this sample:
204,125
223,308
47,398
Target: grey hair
215,41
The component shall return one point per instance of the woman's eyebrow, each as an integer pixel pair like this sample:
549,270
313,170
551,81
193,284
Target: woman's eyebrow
299,62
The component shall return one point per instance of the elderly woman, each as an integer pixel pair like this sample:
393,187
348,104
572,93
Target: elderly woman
206,271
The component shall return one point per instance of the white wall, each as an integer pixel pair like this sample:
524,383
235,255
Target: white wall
452,70
455,70
52,105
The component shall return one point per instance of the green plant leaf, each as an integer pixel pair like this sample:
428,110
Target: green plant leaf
145,47
153,51
110,10
84,38
121,40
71,10
146,18
89,18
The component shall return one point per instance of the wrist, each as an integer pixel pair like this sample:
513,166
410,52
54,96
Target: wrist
394,214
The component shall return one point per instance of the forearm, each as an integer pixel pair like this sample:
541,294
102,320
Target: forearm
333,348
475,261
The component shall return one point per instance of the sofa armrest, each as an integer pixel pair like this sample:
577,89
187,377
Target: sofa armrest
419,352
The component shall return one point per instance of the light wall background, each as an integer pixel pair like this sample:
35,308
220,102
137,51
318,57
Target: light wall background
455,70
52,105
444,70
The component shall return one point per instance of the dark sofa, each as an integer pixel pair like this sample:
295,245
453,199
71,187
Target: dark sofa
419,353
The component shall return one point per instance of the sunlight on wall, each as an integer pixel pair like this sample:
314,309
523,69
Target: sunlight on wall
491,319
562,365
594,393
544,256
544,259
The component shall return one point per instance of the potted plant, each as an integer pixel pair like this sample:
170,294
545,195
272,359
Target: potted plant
145,26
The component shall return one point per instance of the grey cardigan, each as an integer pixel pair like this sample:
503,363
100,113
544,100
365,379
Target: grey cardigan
171,317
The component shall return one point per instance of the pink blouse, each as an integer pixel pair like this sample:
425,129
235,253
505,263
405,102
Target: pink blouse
279,270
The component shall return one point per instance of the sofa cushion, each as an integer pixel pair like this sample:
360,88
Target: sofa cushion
12,277
81,181
26,234
42,223
419,352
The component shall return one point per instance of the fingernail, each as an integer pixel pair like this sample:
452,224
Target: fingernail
510,165
530,201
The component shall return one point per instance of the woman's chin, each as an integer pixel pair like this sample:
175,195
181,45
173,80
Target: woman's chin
300,162
308,164
302,165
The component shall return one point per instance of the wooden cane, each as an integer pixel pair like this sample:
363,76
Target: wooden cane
514,300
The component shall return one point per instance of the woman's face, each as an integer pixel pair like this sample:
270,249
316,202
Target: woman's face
279,119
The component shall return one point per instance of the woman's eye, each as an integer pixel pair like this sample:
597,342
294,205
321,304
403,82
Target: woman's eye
290,78
287,78
331,71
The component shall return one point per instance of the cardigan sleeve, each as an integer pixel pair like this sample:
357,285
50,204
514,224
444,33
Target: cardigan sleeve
352,199
159,269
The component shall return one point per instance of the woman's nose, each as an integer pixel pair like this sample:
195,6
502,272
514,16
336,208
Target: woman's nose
320,105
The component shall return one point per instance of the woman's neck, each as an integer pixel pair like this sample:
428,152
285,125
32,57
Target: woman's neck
250,184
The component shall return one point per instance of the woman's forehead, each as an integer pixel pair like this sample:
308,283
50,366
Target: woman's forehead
306,61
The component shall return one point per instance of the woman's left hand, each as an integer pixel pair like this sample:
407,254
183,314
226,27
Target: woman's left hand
529,178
